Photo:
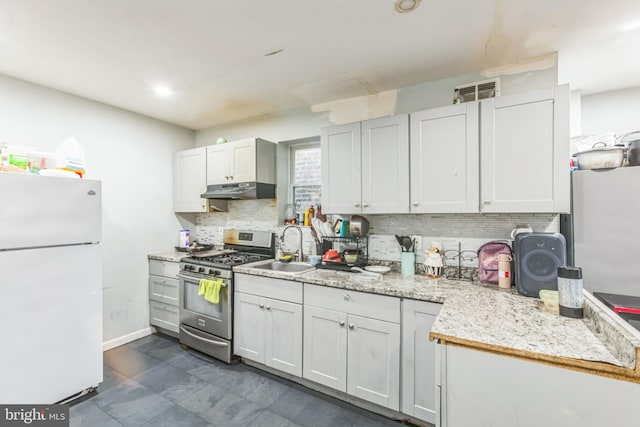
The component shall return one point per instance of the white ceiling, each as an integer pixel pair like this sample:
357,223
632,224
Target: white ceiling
212,52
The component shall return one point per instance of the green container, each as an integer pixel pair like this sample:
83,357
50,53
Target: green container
19,160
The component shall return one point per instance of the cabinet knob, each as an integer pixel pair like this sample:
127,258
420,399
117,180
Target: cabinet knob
230,176
351,326
356,204
487,202
261,305
268,307
347,297
365,205
341,323
415,203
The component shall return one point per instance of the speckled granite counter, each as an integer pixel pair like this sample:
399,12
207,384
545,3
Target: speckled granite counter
174,256
489,319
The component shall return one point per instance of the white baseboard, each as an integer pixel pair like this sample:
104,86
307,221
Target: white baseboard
108,345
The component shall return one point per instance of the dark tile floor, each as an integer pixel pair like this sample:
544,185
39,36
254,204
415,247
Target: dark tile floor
154,382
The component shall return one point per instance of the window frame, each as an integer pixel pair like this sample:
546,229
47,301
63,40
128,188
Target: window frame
292,167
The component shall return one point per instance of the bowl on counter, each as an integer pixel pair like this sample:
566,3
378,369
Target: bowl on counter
600,158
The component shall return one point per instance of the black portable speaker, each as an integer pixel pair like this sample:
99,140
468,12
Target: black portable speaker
537,258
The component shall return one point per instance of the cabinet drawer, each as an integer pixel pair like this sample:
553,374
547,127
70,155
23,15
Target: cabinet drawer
285,290
164,268
163,289
164,315
353,302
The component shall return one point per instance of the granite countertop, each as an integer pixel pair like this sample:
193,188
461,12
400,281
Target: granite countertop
174,256
487,318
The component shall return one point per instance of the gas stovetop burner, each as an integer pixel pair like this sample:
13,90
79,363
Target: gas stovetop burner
224,261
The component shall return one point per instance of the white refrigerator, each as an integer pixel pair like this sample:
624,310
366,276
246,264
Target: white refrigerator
605,229
50,288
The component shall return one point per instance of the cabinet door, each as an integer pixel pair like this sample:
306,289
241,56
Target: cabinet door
385,165
284,336
341,170
325,347
242,160
190,180
418,359
164,315
249,327
525,152
217,164
444,159
164,289
373,367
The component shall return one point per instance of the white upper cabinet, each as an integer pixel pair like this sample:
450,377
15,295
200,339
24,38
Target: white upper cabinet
245,160
504,154
340,152
444,159
365,166
525,152
385,165
190,180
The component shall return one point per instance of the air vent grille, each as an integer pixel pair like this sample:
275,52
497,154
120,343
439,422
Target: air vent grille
476,90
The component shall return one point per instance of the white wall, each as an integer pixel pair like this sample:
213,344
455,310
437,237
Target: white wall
133,157
611,112
471,230
302,123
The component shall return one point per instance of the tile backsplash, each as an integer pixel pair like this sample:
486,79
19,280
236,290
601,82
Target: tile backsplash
465,232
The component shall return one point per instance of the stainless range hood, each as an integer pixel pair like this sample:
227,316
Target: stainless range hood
240,191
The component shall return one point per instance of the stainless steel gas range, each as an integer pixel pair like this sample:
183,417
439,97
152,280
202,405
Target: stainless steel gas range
205,326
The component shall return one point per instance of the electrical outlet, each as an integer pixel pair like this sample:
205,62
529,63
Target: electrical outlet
418,240
220,231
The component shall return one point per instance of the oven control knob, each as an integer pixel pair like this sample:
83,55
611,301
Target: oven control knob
201,270
216,272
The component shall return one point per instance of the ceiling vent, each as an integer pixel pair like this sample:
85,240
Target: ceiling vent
476,91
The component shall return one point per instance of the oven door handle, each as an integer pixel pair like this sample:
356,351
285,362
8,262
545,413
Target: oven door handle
216,343
182,276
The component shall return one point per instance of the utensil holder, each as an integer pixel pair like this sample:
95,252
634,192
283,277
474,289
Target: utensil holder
408,263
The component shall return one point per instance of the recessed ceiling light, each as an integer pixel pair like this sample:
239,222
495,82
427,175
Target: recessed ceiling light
162,90
404,6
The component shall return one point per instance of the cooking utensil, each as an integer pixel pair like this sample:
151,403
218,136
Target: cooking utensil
407,243
600,158
399,240
358,226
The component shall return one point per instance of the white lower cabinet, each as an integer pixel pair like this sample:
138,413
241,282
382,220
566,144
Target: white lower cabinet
268,330
352,343
419,360
163,294
485,389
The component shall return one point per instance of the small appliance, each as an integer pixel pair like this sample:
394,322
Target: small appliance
537,258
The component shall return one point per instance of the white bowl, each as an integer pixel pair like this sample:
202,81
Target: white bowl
381,269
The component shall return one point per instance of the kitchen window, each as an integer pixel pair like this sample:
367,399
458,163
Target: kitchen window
305,175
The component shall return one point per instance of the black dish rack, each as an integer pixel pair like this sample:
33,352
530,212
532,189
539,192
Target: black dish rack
358,244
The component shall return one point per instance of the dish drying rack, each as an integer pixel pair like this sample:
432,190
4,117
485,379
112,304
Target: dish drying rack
340,244
459,255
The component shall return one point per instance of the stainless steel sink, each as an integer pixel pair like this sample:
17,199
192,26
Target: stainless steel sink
289,267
